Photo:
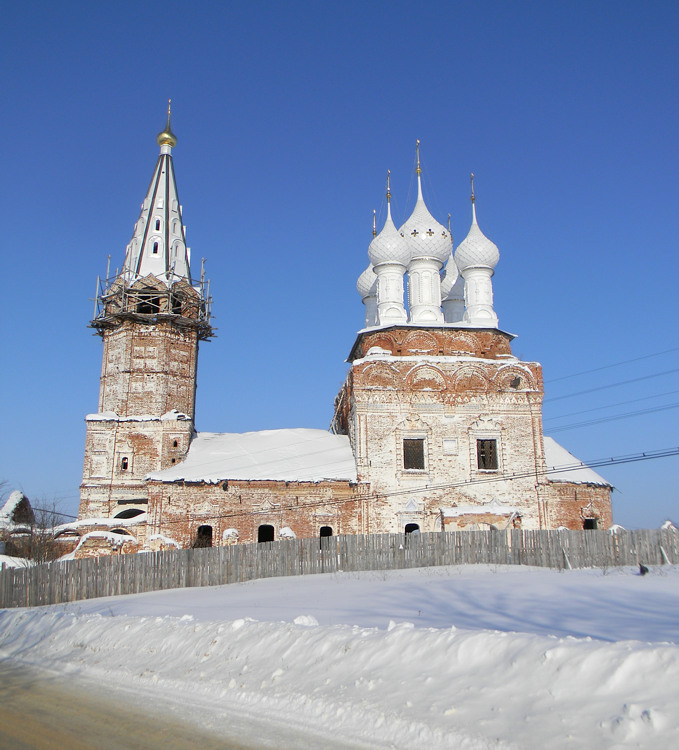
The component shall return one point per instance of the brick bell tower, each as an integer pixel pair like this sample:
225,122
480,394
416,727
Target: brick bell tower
150,316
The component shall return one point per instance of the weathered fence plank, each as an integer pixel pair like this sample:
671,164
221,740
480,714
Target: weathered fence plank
72,580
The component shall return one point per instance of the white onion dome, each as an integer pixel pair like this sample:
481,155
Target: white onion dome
449,277
457,290
476,250
426,238
389,246
367,283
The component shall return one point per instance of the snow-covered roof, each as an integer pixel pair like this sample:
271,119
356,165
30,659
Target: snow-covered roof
16,512
556,456
303,455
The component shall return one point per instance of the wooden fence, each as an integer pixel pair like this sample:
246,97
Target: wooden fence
67,581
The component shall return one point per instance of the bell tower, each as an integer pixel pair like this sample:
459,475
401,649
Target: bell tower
151,316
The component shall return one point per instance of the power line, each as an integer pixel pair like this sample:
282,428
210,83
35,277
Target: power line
613,418
613,461
610,406
613,385
615,364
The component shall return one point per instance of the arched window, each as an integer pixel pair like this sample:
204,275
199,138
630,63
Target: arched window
129,513
203,537
412,528
157,224
124,463
265,533
155,248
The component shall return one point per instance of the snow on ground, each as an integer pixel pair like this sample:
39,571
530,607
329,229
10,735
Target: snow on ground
462,657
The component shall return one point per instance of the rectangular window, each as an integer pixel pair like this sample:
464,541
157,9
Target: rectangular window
486,454
413,453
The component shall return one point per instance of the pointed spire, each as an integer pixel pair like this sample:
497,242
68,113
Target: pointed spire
388,194
158,245
374,223
418,171
471,179
166,137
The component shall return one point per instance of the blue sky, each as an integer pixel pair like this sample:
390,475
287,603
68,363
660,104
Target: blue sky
288,116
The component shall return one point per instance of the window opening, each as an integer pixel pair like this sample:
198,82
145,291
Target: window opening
175,443
157,226
203,537
129,513
124,463
155,248
148,304
326,531
590,523
265,533
412,528
413,453
176,306
486,454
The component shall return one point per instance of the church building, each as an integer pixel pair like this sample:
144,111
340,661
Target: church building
438,426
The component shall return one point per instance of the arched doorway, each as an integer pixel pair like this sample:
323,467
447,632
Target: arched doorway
412,528
265,533
203,537
325,531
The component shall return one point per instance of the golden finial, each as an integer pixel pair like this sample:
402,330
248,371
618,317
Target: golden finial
374,223
417,151
471,179
388,185
167,137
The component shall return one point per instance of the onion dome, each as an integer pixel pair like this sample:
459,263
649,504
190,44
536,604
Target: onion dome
476,250
449,277
426,238
389,246
367,283
166,137
457,290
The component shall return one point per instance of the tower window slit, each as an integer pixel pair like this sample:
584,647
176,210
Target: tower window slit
157,225
155,248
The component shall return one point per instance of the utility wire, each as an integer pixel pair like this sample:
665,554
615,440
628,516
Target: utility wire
632,458
610,406
615,364
613,418
613,385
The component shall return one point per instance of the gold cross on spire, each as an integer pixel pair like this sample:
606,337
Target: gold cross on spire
417,152
471,179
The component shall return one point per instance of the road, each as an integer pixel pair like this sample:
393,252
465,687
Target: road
39,711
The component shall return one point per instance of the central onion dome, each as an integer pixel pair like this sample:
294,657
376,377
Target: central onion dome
476,250
449,277
426,238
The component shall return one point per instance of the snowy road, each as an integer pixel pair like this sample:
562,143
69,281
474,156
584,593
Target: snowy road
41,712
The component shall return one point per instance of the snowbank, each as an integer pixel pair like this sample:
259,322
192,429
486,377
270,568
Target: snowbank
457,657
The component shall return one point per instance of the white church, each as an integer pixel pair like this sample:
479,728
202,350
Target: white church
437,427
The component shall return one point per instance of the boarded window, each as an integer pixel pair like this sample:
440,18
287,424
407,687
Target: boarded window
413,453
265,533
486,454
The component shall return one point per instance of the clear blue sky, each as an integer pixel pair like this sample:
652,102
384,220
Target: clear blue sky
288,116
